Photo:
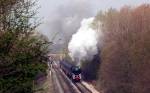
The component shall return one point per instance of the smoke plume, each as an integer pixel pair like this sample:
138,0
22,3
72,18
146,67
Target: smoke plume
83,44
64,21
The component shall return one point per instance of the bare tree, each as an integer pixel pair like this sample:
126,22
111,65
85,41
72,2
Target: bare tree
125,53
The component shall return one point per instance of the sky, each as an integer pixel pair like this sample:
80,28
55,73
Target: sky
61,18
49,6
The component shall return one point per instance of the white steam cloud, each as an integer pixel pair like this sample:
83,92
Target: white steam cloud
83,44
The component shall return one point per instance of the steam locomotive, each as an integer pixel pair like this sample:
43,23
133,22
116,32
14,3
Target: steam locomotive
73,72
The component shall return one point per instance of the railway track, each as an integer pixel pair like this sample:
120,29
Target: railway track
67,86
82,88
56,83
